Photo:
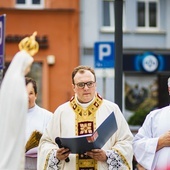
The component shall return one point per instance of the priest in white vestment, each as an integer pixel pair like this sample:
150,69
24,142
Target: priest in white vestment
82,115
36,122
152,142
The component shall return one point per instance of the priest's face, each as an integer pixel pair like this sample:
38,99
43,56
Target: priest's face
31,95
84,86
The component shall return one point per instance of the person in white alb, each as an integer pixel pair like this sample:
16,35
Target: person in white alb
85,111
37,120
152,142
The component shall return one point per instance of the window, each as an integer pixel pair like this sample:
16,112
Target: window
36,74
109,16
147,14
30,4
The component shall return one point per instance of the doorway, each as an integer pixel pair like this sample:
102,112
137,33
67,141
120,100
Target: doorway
163,96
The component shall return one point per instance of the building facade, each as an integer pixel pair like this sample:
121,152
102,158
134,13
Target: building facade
57,26
146,52
71,33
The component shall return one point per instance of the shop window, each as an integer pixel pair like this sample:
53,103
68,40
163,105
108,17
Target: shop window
147,14
164,97
30,4
109,16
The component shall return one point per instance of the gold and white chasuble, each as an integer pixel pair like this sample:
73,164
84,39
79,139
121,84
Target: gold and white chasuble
73,119
85,123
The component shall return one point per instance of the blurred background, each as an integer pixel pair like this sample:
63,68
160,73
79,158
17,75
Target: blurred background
82,32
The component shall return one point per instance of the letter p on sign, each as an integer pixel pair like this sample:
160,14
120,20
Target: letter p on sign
104,51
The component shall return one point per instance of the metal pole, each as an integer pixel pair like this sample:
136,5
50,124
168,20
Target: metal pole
118,52
104,83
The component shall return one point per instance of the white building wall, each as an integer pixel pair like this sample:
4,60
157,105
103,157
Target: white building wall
133,39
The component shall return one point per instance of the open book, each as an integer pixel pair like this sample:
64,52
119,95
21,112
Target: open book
96,140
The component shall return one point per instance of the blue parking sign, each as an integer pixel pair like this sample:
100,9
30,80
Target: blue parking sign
2,40
104,54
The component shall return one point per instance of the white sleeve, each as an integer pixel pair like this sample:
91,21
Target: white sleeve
53,161
144,145
115,161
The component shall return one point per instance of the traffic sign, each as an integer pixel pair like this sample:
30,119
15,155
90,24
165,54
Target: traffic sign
2,40
104,54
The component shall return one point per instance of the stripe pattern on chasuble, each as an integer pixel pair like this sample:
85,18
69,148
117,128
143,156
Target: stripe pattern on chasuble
85,124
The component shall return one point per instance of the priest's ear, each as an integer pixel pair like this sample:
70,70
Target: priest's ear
73,87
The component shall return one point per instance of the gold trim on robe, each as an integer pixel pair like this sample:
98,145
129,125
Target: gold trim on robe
123,158
85,124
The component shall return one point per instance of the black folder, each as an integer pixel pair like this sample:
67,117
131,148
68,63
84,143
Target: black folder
96,140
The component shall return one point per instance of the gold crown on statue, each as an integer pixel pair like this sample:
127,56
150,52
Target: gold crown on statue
29,44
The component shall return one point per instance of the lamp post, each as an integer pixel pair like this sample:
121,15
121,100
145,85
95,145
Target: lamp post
118,8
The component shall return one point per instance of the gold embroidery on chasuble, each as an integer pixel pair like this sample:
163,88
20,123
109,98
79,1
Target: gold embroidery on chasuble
85,123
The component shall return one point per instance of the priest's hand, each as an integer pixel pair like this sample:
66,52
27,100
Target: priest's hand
62,153
163,141
97,154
